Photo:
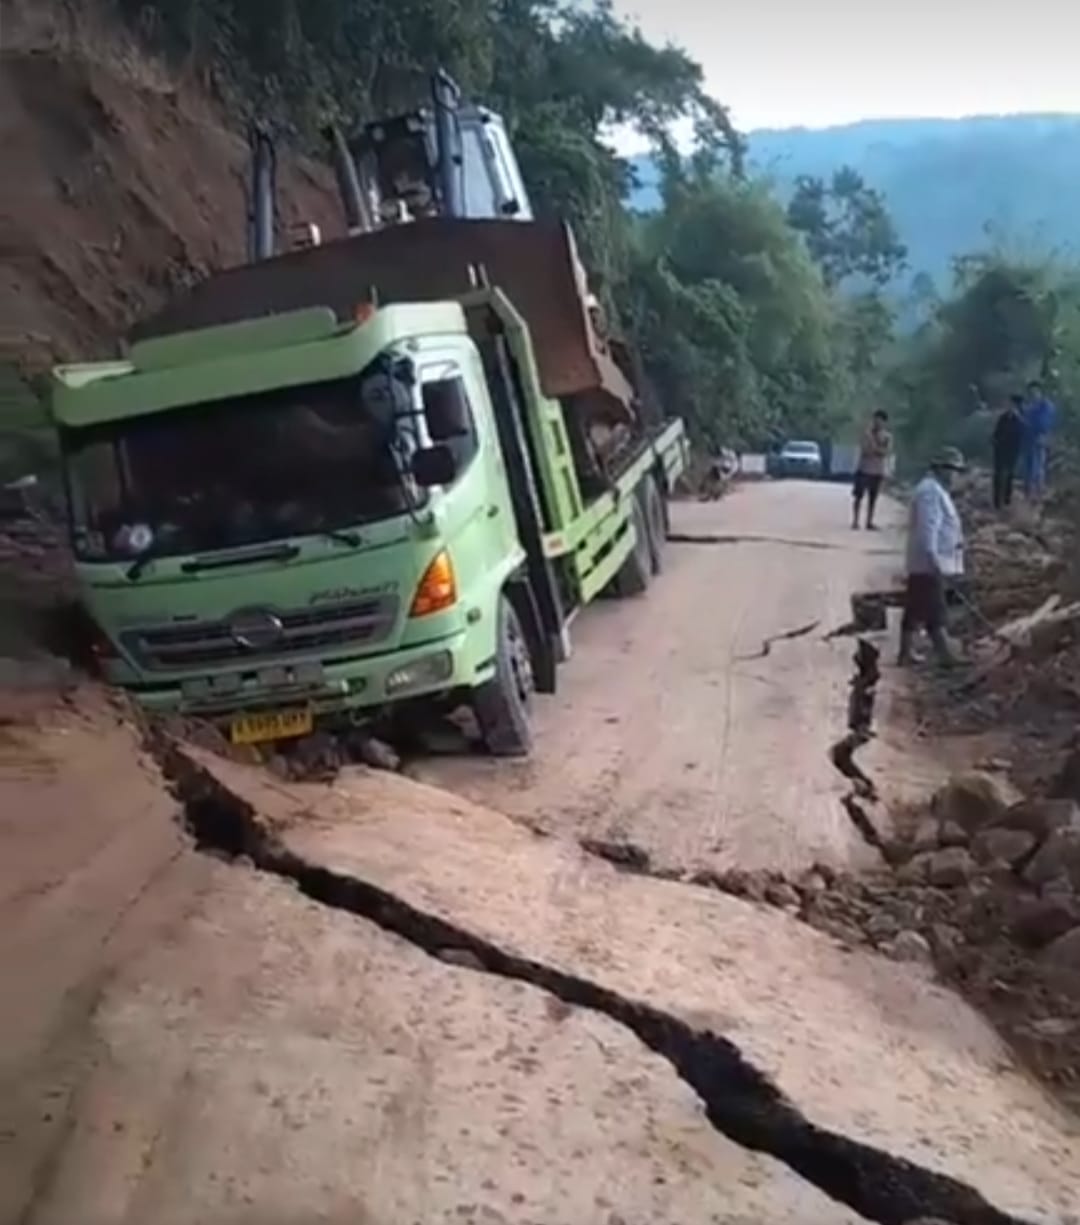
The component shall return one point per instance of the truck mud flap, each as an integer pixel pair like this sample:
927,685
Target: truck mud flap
542,648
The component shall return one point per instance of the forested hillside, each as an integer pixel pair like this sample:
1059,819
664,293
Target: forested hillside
951,185
760,311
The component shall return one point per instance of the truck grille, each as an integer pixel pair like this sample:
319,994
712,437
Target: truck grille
176,648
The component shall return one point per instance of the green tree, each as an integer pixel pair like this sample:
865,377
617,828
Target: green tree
847,228
720,269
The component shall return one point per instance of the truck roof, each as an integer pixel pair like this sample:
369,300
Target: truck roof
215,363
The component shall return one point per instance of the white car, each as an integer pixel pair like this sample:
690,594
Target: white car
800,459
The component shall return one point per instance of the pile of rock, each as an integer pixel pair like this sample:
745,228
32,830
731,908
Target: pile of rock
981,837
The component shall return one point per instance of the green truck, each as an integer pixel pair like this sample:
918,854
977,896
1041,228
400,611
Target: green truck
386,469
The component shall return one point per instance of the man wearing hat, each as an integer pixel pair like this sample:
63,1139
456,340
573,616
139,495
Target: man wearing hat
935,554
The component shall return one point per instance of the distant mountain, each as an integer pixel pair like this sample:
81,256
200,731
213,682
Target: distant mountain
951,184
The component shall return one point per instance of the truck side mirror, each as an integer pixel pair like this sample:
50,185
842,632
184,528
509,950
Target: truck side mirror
433,466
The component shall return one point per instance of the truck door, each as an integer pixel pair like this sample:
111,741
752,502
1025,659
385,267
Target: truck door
479,515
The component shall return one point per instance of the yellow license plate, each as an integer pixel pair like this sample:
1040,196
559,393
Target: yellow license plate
272,725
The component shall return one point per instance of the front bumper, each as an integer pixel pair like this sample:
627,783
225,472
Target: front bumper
435,667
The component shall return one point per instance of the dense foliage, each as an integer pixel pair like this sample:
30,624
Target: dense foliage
1006,321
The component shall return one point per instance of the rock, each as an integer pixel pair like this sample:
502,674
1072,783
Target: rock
916,871
1067,784
1064,952
926,835
780,893
316,755
812,884
909,946
1040,817
951,834
1002,846
971,801
1053,1027
1040,921
465,958
377,754
279,766
882,927
949,868
1057,886
946,941
1058,856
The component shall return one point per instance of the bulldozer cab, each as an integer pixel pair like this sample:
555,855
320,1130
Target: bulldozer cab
446,159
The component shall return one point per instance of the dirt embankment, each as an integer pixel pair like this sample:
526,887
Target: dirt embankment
123,183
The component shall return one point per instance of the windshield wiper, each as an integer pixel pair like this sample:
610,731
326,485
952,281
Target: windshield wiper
352,540
221,561
135,570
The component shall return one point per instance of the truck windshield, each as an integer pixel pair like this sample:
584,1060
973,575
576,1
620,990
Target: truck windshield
296,461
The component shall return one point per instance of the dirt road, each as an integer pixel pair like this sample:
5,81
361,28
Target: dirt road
245,1002
676,727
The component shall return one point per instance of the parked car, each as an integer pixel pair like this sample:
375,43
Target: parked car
800,459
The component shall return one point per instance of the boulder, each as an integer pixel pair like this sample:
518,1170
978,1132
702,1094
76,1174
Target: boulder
972,801
950,867
1059,856
1002,846
1041,817
1040,921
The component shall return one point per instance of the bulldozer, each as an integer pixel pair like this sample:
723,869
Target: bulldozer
434,204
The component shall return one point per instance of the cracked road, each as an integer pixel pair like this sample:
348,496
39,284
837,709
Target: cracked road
689,723
381,1002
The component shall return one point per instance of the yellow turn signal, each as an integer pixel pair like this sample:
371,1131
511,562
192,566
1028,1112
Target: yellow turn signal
438,587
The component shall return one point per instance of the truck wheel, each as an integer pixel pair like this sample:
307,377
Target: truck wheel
502,704
632,577
656,517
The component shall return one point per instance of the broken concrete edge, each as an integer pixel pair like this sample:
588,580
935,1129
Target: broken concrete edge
740,1102
860,731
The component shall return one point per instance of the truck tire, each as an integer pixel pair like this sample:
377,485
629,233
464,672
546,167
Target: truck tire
502,705
632,577
656,517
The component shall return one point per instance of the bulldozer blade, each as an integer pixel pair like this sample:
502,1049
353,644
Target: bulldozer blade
535,263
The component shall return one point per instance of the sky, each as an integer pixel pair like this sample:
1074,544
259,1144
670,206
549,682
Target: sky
813,63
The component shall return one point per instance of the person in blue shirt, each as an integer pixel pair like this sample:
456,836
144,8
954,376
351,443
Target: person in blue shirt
1039,418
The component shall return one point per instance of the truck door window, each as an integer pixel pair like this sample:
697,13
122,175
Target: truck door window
449,418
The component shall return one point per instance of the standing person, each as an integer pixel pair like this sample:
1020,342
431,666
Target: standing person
1039,417
1009,431
874,451
935,553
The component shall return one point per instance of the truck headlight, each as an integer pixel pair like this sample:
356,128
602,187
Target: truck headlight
422,672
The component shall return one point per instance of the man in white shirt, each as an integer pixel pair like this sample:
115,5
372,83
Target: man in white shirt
935,554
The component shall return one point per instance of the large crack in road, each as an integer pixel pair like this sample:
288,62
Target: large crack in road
739,1100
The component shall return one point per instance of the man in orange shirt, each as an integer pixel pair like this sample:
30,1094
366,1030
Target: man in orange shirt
874,451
